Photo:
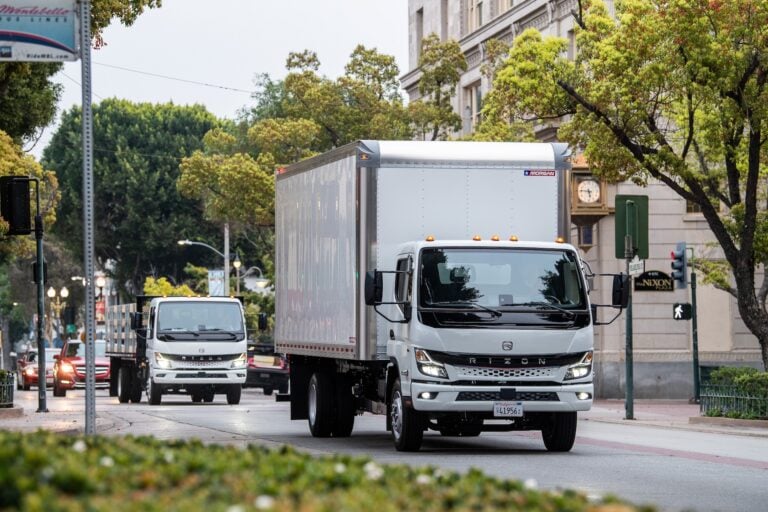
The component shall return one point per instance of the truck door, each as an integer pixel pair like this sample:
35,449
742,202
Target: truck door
399,332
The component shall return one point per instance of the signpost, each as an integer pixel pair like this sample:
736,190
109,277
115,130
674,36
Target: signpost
636,266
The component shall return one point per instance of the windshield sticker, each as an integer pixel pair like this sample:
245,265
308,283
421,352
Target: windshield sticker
539,172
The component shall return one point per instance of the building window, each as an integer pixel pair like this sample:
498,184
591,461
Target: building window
586,236
419,30
691,207
473,104
474,15
503,6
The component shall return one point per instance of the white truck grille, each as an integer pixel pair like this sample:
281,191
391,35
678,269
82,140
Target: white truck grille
505,373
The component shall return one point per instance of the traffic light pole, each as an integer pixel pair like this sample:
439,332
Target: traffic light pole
695,329
42,406
629,253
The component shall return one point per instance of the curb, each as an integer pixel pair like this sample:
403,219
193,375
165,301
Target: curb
11,412
728,422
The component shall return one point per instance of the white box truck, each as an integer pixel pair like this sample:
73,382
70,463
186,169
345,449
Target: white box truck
181,345
429,281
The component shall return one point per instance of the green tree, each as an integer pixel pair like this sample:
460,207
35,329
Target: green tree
670,90
441,64
139,212
162,287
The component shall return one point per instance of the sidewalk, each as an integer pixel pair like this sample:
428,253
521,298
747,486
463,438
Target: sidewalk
675,414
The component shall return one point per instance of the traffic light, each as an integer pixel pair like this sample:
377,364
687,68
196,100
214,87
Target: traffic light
680,265
14,204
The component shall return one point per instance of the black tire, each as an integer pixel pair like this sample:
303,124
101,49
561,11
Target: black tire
58,390
233,394
154,393
123,384
283,389
136,390
407,426
113,383
320,396
208,396
345,410
268,391
196,398
559,433
25,385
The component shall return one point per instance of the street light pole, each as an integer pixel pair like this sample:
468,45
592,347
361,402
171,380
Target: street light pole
224,255
237,264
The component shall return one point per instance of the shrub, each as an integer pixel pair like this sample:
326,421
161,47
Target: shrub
45,471
727,375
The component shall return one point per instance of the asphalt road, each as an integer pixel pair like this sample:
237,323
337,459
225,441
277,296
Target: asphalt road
671,468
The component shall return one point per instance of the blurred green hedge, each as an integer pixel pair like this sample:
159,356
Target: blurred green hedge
50,472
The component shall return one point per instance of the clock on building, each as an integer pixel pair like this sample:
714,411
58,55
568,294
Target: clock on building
588,191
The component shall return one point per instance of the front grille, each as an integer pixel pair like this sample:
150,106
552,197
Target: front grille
100,370
495,396
194,365
468,372
199,376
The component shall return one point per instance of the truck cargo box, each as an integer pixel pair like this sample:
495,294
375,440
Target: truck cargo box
347,211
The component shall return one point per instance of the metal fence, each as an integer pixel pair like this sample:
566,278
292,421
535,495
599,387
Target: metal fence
732,402
6,389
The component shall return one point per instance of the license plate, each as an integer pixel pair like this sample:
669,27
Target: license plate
508,409
264,375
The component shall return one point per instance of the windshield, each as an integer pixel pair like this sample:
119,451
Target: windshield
49,355
77,349
188,320
491,281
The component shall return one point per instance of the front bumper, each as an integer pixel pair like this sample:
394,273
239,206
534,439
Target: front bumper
77,381
207,376
468,398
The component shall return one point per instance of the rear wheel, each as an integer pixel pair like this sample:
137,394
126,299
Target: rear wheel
345,410
155,393
407,427
233,394
283,389
123,384
114,383
208,396
320,397
197,397
268,391
559,433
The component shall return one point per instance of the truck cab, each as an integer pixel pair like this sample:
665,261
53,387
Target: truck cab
490,335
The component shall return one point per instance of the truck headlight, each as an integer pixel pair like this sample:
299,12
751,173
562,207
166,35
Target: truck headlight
241,361
580,369
162,362
427,366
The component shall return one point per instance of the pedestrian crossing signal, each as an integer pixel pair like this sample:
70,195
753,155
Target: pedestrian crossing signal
682,311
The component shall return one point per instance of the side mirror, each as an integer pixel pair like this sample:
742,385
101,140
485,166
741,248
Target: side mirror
374,287
263,322
135,321
620,291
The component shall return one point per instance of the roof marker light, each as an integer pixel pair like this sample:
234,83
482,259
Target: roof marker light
560,240
513,238
495,238
430,238
477,238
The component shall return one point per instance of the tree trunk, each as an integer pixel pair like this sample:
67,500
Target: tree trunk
752,313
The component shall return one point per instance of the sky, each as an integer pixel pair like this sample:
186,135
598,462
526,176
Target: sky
226,43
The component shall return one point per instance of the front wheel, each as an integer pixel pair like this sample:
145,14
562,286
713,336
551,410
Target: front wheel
123,384
407,427
155,393
58,390
233,394
320,405
559,433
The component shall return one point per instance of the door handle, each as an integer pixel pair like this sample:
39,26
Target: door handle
391,334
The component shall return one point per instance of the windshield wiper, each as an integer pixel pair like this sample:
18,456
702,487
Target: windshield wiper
464,304
173,332
570,314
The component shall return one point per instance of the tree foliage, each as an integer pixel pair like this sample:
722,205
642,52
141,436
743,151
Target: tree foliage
139,214
442,64
669,90
164,288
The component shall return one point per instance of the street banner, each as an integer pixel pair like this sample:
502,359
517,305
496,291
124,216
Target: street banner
38,30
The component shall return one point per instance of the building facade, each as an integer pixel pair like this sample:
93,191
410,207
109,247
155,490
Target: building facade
662,346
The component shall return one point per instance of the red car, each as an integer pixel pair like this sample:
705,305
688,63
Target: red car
69,371
28,366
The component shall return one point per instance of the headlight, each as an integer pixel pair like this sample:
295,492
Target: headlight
241,361
66,368
429,367
162,361
580,369
30,370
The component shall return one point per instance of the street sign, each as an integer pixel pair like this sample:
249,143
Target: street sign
638,221
636,266
215,282
682,311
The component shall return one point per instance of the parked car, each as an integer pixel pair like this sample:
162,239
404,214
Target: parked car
69,371
266,369
27,367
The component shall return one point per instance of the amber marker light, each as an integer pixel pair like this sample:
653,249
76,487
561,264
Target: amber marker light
495,238
560,240
477,238
513,238
430,238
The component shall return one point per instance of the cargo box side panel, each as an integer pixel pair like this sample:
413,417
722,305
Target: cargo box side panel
457,204
316,270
